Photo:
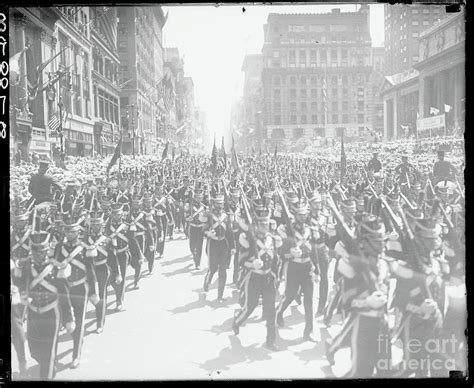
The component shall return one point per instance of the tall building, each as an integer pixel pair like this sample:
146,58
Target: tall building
316,73
253,128
141,68
403,26
377,80
189,110
29,110
105,79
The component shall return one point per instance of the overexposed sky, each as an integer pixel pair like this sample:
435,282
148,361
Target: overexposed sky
214,41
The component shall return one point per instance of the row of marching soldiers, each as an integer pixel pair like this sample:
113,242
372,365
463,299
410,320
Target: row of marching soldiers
398,267
68,251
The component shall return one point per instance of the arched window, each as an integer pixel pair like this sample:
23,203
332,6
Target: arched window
278,133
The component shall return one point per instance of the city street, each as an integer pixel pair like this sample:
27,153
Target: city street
170,329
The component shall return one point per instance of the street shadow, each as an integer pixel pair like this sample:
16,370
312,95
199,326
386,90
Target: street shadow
60,356
182,259
293,318
179,271
235,354
201,302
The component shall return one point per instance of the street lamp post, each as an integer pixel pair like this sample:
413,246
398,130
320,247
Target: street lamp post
133,130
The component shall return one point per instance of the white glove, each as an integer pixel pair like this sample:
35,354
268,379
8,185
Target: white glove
428,307
94,299
296,252
376,300
70,327
25,300
232,252
118,279
257,263
316,278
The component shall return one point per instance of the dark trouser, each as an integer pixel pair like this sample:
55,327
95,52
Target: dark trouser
369,348
79,306
323,273
170,230
299,275
219,257
123,260
196,239
254,286
43,330
135,260
18,331
103,273
236,259
150,250
162,224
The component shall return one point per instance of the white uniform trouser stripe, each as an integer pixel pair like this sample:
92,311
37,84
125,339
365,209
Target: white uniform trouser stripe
52,359
340,337
355,337
245,308
285,273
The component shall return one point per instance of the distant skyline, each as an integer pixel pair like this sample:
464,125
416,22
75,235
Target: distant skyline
215,39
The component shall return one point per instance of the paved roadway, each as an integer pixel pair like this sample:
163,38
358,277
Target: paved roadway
170,329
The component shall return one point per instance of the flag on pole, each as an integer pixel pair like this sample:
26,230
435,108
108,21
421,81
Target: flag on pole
165,151
117,154
251,130
417,116
14,66
434,111
275,154
447,108
235,160
173,153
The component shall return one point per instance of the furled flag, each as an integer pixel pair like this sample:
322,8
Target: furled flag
434,111
117,154
447,108
165,151
251,130
173,153
343,157
214,156
275,154
417,116
235,160
223,155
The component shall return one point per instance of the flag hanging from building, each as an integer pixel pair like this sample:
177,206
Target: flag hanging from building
14,67
165,151
235,160
53,123
434,111
447,108
117,154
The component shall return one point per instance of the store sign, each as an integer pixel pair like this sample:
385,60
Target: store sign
430,123
36,144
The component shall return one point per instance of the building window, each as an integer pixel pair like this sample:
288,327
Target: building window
415,23
304,119
334,57
334,119
360,105
314,93
334,106
276,54
414,11
312,57
303,106
360,119
303,58
314,119
292,57
303,81
298,133
345,118
293,93
278,133
323,56
293,81
345,92
293,106
314,80
426,10
314,106
277,106
277,120
276,81
303,93
334,92
276,93
426,23
345,106
293,119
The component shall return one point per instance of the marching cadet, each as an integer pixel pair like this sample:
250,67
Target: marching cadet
118,252
95,243
220,244
161,216
315,221
136,238
81,280
197,220
19,254
420,293
260,261
302,268
44,290
151,233
364,298
237,224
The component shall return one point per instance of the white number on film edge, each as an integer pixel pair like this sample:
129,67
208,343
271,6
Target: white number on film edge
3,26
3,42
3,132
3,105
